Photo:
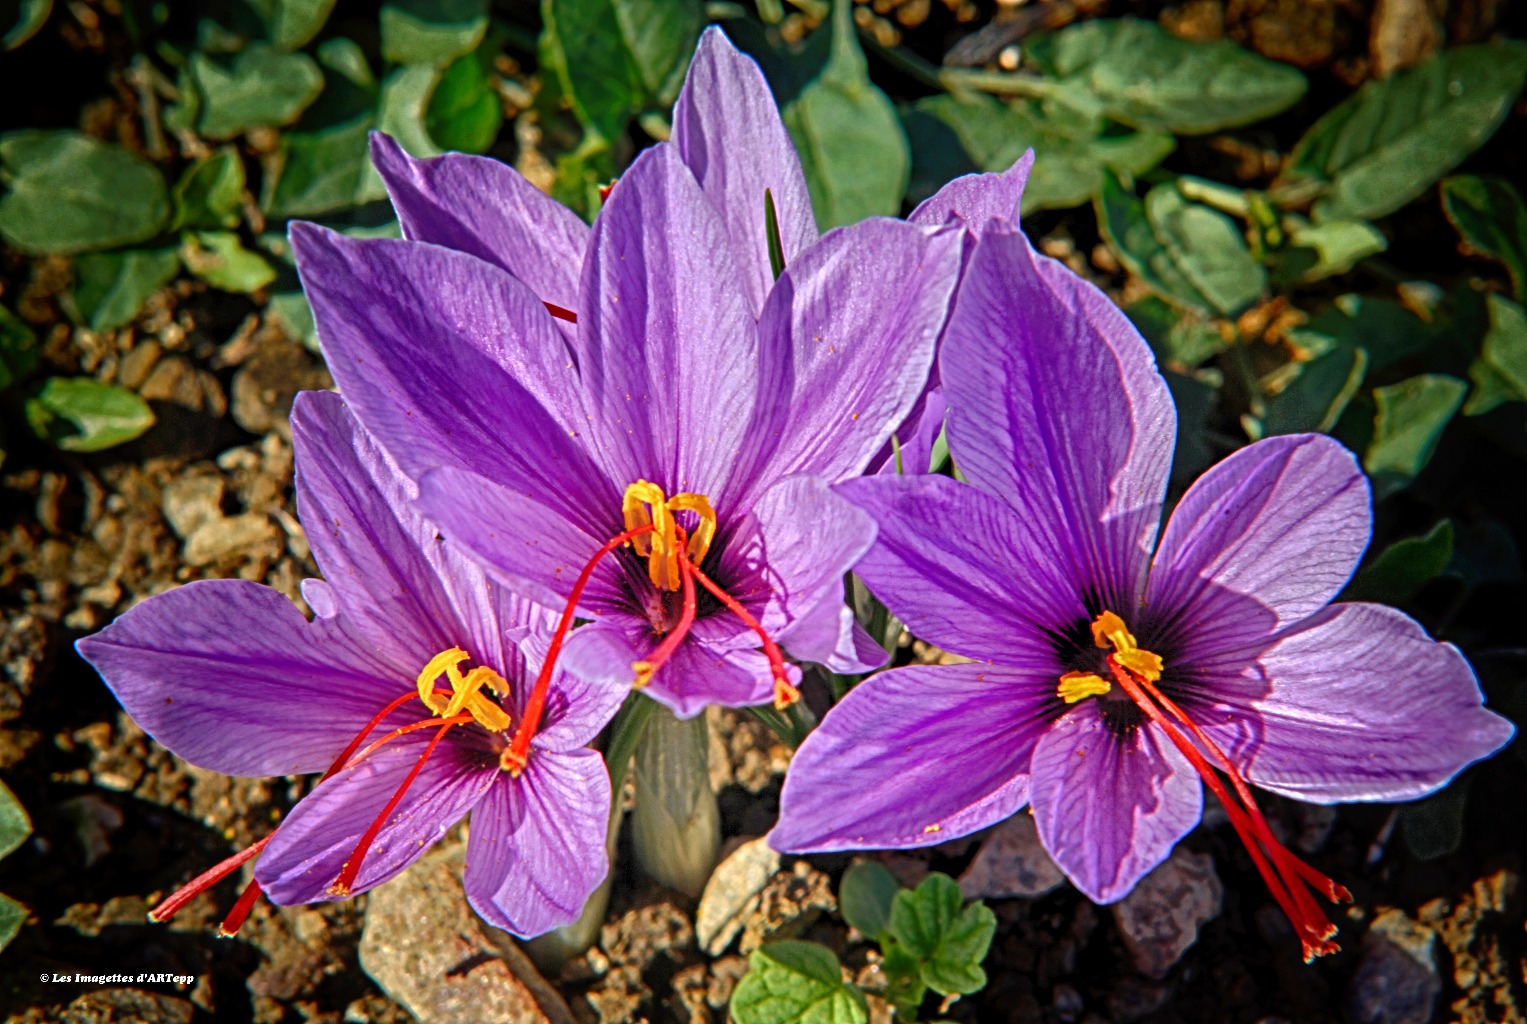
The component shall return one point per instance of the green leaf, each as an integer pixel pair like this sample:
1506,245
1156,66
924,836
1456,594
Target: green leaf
295,316
1187,253
18,349
1386,329
262,87
796,983
949,942
1317,397
1491,217
1500,372
293,23
1147,78
400,113
1385,145
1071,154
852,147
12,916
1404,567
15,825
110,287
1409,422
865,896
433,32
1178,338
464,111
1333,247
319,172
210,194
67,193
28,17
80,414
220,259
904,985
771,229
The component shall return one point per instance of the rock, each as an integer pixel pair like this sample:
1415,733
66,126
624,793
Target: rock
229,538
1011,862
191,502
788,905
1402,33
422,944
137,363
264,386
176,381
733,894
109,1005
1160,918
1396,981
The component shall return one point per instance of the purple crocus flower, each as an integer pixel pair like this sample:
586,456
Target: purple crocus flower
677,388
390,688
1108,681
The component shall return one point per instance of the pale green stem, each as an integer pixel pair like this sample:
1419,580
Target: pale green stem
676,823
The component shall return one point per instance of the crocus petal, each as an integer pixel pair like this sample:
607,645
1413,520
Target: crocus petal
1109,808
830,636
961,569
391,573
311,847
1354,703
847,338
536,849
670,366
530,548
1056,407
449,361
729,133
977,199
230,677
485,207
1260,541
913,452
576,708
912,757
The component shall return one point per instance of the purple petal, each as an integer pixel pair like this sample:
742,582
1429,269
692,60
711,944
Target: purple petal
847,339
671,348
229,676
1056,407
729,133
961,569
912,757
387,567
1266,537
313,844
915,437
536,849
978,199
1354,703
485,207
576,708
1110,808
449,361
830,635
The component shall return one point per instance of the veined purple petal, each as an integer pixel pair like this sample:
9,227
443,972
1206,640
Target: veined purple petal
450,361
1056,407
977,199
1354,703
485,207
963,571
916,437
576,708
729,133
912,757
1266,537
847,338
1110,808
536,849
671,351
830,635
229,676
311,847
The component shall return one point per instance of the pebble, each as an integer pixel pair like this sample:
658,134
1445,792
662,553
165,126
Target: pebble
1161,916
1011,862
733,894
265,385
423,946
788,905
191,502
229,537
122,1004
1396,981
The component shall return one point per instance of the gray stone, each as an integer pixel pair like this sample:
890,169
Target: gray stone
1161,916
1396,981
232,537
1011,862
423,945
733,894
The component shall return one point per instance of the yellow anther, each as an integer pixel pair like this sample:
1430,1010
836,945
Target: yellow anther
1109,630
645,504
643,670
1075,686
466,691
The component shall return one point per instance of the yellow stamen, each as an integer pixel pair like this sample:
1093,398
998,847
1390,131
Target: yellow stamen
1109,630
645,504
465,690
1075,686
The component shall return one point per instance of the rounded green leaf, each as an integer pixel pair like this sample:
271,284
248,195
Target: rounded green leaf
210,193
464,112
67,193
110,287
865,897
12,916
80,414
796,983
220,259
15,824
432,32
1404,567
18,348
1409,423
262,87
30,16
1491,217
